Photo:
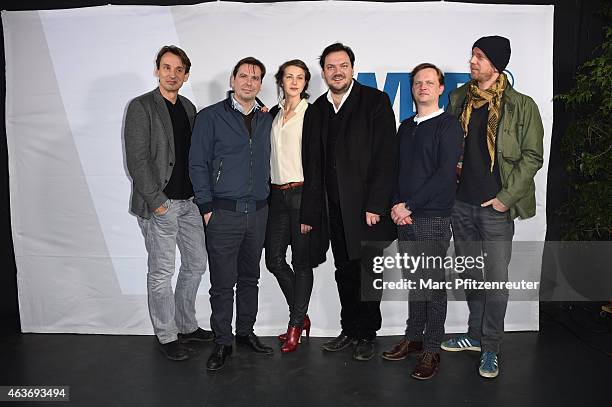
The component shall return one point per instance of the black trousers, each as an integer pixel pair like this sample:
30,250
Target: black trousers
283,230
235,241
359,318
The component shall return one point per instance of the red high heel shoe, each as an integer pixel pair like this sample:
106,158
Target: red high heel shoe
305,327
294,336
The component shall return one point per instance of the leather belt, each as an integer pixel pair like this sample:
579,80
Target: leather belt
239,206
288,185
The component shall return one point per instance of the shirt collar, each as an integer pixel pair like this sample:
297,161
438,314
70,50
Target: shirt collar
237,106
300,107
344,97
418,119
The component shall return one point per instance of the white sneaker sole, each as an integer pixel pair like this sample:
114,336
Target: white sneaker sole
488,375
472,348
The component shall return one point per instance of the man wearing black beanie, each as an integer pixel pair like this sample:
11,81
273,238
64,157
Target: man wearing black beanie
503,150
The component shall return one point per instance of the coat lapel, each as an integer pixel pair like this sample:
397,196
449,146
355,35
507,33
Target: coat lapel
347,109
322,104
188,110
162,111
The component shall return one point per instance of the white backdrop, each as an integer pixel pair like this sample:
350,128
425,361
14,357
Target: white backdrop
81,260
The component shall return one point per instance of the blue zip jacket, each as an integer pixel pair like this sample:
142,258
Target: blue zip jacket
224,162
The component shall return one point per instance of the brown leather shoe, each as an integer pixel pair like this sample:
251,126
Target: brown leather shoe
402,349
427,366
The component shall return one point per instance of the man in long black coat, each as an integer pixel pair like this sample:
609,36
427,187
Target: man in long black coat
359,138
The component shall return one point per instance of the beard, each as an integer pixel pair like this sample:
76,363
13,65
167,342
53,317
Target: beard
339,89
482,76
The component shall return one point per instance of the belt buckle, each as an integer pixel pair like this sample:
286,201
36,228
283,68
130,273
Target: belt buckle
240,208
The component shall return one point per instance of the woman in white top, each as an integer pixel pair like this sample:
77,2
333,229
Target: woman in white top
296,214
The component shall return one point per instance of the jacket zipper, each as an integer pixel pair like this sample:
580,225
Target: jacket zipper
251,165
219,173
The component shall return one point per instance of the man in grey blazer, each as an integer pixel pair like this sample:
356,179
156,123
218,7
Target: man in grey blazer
157,139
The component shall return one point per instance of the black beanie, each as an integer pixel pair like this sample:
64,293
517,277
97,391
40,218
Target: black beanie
497,49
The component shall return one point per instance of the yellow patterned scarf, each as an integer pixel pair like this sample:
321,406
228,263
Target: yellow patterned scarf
477,98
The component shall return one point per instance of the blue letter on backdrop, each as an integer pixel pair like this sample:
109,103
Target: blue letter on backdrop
401,81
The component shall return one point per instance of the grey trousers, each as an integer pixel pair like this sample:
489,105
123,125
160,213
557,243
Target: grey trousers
235,242
182,226
477,231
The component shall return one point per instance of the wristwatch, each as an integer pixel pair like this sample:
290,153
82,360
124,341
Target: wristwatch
166,204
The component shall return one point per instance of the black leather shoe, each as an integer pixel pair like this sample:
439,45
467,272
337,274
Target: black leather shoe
253,342
173,350
216,360
338,343
364,350
199,335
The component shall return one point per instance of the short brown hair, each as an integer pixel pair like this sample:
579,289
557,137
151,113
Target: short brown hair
249,61
281,72
173,49
426,65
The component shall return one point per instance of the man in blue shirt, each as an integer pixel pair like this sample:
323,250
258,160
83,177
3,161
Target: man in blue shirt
229,165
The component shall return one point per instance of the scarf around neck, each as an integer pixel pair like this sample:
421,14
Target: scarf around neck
477,98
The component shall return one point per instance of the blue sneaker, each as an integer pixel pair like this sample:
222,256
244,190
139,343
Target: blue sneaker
462,342
489,366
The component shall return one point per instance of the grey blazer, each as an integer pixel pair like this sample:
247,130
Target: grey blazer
149,149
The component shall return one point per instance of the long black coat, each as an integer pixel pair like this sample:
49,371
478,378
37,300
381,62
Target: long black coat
312,206
366,153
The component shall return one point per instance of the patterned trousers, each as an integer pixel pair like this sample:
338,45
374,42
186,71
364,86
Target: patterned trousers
429,239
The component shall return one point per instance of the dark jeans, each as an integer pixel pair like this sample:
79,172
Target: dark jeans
484,231
284,230
358,319
427,308
235,241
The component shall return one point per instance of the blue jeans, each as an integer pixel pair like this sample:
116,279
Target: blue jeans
180,226
477,231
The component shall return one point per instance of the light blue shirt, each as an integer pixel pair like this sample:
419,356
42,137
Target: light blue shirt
237,106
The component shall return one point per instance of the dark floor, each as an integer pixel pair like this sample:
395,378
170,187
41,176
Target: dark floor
565,364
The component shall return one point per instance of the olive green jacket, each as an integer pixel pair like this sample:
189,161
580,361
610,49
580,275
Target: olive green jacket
519,144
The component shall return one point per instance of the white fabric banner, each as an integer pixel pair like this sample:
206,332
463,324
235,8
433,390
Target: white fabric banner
80,256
